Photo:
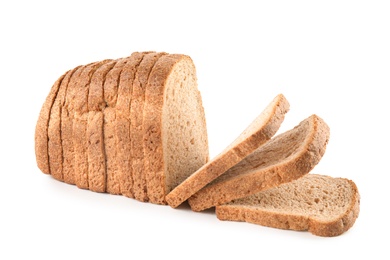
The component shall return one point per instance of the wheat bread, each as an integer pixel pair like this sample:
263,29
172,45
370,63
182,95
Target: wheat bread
286,157
136,126
95,138
67,117
110,94
41,128
54,129
175,135
321,204
124,182
80,121
255,135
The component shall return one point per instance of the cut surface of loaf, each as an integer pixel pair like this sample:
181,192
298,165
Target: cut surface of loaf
255,135
323,205
175,135
286,157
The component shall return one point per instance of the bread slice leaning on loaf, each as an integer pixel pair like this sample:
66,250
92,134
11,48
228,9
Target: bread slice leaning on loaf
256,134
323,205
174,126
287,157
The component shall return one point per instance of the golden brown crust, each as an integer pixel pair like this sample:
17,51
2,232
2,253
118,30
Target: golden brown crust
136,126
233,154
67,117
80,121
124,181
96,104
54,129
110,93
41,128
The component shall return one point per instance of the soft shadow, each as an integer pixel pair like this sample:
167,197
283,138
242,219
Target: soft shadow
185,206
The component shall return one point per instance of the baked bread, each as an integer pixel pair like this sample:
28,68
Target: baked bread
95,137
54,141
98,130
136,124
255,135
41,129
67,140
323,205
175,136
284,158
110,94
80,124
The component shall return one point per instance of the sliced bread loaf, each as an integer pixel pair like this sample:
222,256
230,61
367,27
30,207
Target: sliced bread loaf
284,158
255,135
323,205
175,135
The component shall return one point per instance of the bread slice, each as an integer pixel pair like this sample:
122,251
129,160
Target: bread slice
54,129
67,117
110,93
80,122
255,135
95,138
175,135
124,185
41,128
286,157
323,205
136,126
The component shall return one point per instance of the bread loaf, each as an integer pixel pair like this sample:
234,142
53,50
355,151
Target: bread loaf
323,205
133,126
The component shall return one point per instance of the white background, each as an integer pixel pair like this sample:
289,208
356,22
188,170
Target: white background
330,58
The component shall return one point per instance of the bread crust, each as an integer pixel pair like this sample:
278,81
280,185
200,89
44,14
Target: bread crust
95,137
54,129
292,221
152,121
110,93
41,128
245,144
67,117
136,125
124,185
80,122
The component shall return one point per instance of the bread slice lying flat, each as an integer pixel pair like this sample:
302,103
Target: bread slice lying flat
255,135
323,205
286,157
